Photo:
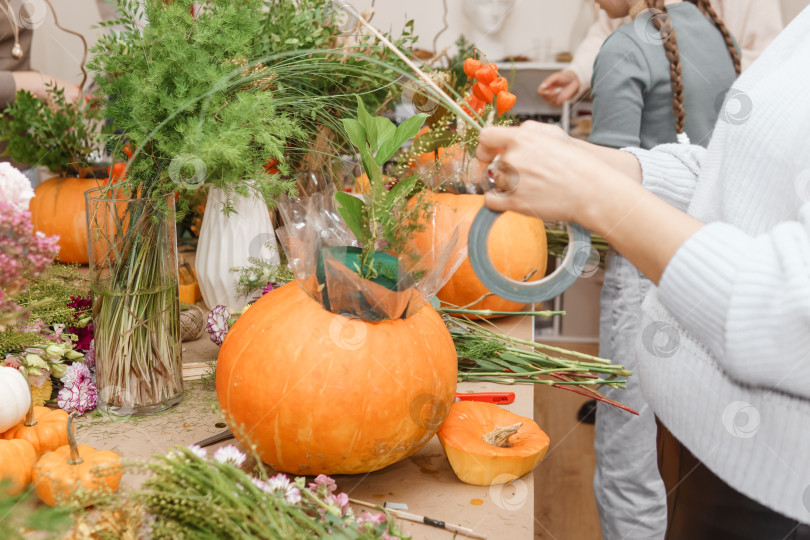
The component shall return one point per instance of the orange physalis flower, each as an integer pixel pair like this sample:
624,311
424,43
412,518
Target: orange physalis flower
483,92
499,85
487,74
505,102
471,65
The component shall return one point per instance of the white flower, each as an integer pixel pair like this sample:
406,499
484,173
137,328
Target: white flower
281,484
230,454
14,186
198,451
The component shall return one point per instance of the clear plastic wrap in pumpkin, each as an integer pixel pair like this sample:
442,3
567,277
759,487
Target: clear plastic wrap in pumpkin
324,256
332,373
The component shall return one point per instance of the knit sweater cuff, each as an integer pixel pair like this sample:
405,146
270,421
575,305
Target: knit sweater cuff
697,283
671,171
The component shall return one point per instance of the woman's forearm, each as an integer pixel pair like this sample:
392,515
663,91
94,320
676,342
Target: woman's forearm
624,162
639,225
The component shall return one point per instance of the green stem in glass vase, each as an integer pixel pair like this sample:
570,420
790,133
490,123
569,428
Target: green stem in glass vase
136,307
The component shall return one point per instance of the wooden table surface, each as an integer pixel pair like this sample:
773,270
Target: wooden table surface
425,481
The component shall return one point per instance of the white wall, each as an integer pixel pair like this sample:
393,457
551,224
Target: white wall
532,24
58,53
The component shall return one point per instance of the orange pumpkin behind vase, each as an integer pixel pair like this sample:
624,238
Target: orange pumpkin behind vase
58,209
517,248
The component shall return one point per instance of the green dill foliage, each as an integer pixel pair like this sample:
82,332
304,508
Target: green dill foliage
383,216
191,497
485,354
49,294
60,137
255,276
13,341
190,103
322,59
23,516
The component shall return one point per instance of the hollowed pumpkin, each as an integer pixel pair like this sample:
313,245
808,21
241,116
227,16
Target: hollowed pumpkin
486,444
517,247
322,393
58,209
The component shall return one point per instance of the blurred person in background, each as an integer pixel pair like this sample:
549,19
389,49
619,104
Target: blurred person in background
753,23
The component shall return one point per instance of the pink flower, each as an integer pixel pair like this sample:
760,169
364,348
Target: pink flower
267,288
33,327
218,324
84,333
341,501
368,522
80,397
323,481
90,354
76,373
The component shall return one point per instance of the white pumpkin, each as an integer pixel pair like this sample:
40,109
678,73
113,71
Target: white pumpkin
15,398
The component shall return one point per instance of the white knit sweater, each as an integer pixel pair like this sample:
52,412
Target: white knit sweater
734,386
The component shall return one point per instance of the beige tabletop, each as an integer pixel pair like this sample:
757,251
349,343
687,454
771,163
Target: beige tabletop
425,481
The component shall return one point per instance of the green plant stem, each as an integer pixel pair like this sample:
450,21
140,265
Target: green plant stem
491,313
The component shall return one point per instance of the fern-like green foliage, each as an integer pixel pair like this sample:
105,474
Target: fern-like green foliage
216,97
182,92
60,136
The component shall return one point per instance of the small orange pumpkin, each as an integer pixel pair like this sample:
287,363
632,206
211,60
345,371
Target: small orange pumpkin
322,393
17,457
517,247
488,445
44,428
58,209
76,471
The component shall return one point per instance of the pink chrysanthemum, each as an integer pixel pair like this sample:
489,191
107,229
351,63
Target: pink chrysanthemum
217,326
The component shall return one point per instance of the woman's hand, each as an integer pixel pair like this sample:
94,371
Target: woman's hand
542,174
36,83
559,87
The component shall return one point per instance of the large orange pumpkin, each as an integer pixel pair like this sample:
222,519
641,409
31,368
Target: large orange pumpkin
58,209
517,246
322,393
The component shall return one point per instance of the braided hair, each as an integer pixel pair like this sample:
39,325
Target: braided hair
663,24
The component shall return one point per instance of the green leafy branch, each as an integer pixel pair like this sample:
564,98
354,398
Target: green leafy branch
383,215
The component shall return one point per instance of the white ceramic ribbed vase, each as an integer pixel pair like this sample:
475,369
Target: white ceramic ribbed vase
229,241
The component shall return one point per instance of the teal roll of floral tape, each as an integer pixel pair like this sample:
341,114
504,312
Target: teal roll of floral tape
573,264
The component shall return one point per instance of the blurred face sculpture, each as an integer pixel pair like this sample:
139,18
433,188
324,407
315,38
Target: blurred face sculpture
488,16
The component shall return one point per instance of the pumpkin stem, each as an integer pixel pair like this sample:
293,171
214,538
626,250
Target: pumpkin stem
500,436
30,421
75,458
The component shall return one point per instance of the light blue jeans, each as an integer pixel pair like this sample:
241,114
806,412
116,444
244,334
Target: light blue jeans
629,492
